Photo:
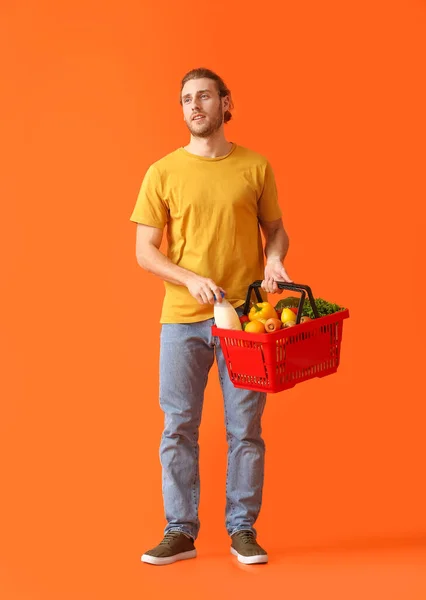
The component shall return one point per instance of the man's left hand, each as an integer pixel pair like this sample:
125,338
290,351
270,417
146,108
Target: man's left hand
274,271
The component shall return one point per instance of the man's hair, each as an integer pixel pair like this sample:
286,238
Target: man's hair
221,86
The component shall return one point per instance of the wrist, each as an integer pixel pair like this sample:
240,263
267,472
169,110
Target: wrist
187,277
273,259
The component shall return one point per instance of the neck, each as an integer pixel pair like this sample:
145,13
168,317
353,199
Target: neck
211,147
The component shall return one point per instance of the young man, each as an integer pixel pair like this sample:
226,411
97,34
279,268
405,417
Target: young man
212,195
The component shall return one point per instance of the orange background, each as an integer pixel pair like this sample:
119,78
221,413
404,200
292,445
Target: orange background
334,95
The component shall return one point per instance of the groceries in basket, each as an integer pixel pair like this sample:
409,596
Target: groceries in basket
284,314
281,346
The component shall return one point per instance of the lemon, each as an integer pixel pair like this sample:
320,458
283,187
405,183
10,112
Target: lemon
287,315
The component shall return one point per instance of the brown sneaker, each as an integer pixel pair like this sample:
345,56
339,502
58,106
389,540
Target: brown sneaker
174,546
245,547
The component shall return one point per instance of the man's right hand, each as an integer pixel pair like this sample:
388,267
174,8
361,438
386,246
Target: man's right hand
203,289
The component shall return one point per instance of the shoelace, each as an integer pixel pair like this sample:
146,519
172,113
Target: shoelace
247,537
169,537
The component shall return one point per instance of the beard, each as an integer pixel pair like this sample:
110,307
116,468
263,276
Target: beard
206,129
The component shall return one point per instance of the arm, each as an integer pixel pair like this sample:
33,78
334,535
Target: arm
276,248
277,241
149,257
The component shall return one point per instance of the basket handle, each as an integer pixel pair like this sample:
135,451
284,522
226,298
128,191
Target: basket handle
295,287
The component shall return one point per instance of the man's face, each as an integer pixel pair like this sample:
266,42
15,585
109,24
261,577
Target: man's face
201,97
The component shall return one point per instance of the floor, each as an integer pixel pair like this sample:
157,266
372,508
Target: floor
395,571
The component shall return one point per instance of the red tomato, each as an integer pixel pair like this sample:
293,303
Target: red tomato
294,309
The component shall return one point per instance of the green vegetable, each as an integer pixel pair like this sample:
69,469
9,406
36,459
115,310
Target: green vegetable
324,307
287,302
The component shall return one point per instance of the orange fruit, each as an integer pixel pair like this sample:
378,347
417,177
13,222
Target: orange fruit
255,327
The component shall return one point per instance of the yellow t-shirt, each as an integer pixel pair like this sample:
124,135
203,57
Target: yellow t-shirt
211,208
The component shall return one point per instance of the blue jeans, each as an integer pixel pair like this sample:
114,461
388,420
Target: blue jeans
187,353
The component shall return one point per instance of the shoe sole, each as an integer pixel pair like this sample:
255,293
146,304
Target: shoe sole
250,560
168,560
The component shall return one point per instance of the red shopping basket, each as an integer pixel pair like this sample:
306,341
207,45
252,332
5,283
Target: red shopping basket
273,362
